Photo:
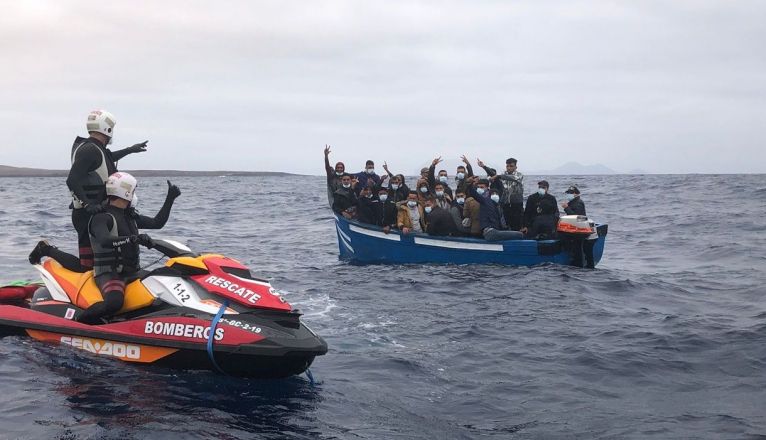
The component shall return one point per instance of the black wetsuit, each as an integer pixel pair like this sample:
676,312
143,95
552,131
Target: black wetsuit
113,236
92,164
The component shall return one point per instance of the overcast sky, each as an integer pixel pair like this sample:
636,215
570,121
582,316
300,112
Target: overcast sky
663,86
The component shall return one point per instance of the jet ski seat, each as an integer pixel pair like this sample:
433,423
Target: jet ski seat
82,290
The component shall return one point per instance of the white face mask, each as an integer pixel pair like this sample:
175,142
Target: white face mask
570,197
439,193
346,185
460,176
383,197
443,179
480,191
495,198
394,186
339,173
423,189
541,191
427,209
370,170
412,203
460,200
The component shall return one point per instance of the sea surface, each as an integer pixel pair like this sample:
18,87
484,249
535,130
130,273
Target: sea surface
666,339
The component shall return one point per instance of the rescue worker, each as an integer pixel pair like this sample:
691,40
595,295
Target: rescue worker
92,164
115,237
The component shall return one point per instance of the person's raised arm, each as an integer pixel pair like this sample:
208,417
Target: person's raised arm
137,148
385,168
328,169
159,220
432,172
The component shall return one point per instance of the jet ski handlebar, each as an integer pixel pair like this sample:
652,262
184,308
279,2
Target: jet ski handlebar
172,249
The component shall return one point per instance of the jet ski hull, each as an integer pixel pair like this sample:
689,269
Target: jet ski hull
266,344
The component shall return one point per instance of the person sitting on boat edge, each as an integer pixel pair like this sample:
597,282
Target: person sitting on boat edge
441,198
573,205
333,174
363,177
530,211
457,210
545,223
344,198
490,214
438,220
411,216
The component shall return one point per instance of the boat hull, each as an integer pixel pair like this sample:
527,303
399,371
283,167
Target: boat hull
366,244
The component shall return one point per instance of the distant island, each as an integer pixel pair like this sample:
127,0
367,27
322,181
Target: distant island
8,171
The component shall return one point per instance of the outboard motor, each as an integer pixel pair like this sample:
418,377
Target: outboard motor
578,235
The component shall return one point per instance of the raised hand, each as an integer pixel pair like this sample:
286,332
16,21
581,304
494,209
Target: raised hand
465,160
436,161
173,191
385,166
138,148
479,162
326,150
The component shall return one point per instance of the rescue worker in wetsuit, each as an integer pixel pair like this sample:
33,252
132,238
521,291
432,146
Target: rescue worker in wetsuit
115,238
92,164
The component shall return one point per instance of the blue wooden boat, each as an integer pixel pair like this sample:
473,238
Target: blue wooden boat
367,244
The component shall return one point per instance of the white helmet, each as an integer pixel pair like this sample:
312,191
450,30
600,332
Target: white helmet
101,121
121,185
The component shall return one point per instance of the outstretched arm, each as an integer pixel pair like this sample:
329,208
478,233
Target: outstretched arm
137,148
328,169
385,167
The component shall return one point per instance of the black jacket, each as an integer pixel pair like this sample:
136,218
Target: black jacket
543,227
343,199
533,201
576,206
440,222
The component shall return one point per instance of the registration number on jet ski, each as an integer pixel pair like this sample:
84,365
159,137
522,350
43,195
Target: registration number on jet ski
242,325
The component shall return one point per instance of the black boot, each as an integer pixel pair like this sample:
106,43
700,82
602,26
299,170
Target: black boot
41,250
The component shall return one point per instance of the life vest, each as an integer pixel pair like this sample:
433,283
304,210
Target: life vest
123,258
94,187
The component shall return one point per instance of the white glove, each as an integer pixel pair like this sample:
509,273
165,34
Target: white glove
466,222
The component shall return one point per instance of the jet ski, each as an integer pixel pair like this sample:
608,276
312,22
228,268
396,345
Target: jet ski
197,312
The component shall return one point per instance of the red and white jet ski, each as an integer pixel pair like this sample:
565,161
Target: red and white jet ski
196,312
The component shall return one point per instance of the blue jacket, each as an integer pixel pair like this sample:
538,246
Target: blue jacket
490,215
363,178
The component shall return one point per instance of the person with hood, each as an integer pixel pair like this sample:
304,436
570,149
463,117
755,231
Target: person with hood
533,201
367,177
333,174
115,236
573,205
92,164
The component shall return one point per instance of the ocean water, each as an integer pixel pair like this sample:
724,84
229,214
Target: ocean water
665,339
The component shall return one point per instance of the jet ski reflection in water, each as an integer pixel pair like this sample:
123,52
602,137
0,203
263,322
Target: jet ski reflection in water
197,312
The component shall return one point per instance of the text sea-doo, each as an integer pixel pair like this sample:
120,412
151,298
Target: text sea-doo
197,312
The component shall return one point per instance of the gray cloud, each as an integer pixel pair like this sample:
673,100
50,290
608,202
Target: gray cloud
663,86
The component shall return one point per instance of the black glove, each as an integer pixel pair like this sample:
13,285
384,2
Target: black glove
142,239
94,208
173,191
138,148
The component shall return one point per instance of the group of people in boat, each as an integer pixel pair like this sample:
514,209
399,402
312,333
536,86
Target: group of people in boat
105,217
465,205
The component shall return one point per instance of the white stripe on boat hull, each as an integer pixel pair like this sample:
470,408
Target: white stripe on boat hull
376,234
459,245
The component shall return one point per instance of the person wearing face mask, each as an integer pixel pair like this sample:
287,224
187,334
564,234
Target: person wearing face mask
544,225
438,220
490,214
388,211
533,201
397,189
512,195
441,198
411,216
344,198
442,178
92,164
457,210
333,174
424,192
462,173
367,177
573,204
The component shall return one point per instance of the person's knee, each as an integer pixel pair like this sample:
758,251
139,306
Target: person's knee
113,302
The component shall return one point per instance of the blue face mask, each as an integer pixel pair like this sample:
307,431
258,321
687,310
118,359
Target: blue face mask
460,176
570,197
541,191
480,191
428,209
460,200
394,186
383,197
423,189
443,179
439,193
495,198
